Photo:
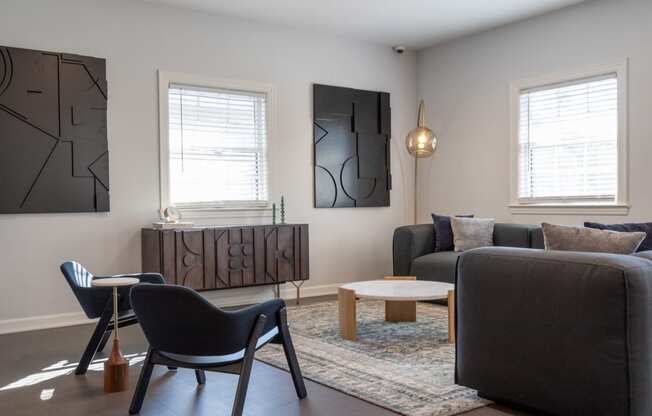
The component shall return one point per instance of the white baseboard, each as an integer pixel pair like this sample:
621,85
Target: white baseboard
221,298
33,323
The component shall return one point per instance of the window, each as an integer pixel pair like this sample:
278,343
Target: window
569,143
214,153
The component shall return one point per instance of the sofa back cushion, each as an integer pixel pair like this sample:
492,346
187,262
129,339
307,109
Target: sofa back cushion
645,227
470,233
559,237
444,232
536,238
513,235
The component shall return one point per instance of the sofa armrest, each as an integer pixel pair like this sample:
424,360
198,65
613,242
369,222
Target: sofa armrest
410,242
554,330
644,254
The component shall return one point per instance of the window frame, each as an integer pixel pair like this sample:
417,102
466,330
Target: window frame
207,210
620,206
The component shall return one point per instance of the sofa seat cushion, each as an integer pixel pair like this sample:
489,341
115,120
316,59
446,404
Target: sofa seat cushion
438,267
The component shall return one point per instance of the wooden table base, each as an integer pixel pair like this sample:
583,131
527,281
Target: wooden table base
116,371
400,311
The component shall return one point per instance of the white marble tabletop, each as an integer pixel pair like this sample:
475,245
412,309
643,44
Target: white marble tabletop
407,290
115,281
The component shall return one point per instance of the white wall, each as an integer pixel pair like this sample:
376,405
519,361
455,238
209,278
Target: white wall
137,39
466,87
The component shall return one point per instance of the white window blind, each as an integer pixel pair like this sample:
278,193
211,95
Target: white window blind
568,141
217,147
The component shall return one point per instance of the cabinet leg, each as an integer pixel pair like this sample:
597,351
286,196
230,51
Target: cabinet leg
297,286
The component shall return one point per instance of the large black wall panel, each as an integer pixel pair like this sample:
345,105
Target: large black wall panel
352,130
53,138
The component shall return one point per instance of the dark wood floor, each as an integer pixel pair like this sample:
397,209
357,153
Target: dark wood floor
42,362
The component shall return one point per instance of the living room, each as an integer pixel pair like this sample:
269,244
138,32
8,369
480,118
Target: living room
341,166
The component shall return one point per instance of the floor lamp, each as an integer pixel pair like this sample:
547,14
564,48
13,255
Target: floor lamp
420,142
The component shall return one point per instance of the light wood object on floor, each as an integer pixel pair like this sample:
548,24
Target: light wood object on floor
400,295
451,316
116,368
399,310
347,310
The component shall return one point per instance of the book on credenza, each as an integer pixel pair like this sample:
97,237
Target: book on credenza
172,225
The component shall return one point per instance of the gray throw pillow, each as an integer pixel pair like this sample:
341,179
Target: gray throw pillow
471,233
559,237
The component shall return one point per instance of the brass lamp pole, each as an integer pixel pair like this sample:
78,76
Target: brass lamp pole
420,142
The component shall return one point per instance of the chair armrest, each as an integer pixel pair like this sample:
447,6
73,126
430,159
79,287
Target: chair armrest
410,242
541,327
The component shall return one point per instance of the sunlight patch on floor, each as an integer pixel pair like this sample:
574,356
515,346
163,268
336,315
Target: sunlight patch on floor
63,368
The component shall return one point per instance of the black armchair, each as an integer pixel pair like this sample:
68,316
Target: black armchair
185,330
97,302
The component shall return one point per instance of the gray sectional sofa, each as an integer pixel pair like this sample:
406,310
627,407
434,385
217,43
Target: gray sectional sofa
552,332
414,246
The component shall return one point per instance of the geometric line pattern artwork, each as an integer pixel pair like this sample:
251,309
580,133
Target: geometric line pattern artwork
351,135
53,132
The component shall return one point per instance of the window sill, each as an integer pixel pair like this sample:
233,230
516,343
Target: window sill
569,209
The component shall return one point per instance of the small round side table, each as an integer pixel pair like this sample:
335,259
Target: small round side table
116,368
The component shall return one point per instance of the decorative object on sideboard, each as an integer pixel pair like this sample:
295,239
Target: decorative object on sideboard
171,214
420,142
352,130
171,220
53,136
210,258
282,210
274,213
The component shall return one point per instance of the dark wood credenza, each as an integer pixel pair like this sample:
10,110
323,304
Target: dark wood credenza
210,258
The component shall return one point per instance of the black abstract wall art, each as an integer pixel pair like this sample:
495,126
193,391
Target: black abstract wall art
352,130
53,136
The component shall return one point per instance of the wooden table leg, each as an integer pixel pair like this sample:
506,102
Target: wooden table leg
400,311
347,310
116,368
451,316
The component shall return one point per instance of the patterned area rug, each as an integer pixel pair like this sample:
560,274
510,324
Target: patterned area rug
404,367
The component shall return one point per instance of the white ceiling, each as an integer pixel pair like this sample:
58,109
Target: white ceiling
415,24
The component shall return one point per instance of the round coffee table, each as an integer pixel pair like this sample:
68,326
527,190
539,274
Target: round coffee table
400,294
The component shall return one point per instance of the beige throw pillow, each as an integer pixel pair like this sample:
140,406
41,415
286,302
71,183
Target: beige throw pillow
559,237
471,233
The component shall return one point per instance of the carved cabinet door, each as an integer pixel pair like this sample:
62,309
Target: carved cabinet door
189,258
279,254
233,257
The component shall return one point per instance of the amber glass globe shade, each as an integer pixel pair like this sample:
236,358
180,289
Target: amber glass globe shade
421,142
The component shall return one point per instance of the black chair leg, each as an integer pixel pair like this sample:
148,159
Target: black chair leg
105,339
200,375
95,340
245,369
291,355
141,387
